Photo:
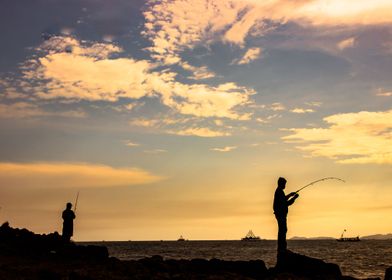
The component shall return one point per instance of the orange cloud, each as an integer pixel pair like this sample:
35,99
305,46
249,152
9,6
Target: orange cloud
363,137
79,75
171,28
75,175
82,77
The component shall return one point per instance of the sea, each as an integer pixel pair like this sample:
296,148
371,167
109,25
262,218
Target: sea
364,259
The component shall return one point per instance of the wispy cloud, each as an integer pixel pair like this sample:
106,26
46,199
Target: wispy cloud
72,175
22,110
198,73
201,132
142,122
267,119
131,144
382,92
301,110
346,43
277,107
224,149
171,28
314,104
250,55
352,138
155,151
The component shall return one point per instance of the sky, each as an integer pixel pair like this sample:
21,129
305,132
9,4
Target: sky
177,117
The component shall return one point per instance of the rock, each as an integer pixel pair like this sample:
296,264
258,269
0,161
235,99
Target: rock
301,265
254,268
22,242
388,273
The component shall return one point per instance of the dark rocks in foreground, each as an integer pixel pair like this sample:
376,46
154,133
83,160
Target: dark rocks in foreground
309,267
388,274
25,255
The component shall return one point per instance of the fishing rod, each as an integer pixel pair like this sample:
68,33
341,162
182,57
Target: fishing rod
320,180
76,201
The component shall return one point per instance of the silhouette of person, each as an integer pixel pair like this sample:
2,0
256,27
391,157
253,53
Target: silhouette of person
68,217
281,208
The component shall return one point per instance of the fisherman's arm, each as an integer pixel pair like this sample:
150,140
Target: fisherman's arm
290,195
292,200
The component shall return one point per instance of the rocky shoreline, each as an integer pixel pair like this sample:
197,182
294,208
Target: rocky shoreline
25,255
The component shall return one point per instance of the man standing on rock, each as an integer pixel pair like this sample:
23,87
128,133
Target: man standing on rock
281,208
68,217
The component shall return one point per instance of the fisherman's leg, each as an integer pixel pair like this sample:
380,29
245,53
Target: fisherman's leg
66,237
282,231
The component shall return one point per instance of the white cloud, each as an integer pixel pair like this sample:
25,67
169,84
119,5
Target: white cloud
224,149
75,175
363,137
301,110
250,55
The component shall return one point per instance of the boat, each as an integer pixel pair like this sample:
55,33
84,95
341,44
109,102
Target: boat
181,238
347,239
251,237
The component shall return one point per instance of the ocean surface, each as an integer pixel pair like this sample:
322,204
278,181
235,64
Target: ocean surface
367,258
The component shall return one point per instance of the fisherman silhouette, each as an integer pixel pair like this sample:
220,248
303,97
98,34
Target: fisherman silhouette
68,217
281,208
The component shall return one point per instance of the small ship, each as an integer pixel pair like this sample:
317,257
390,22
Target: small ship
347,239
251,237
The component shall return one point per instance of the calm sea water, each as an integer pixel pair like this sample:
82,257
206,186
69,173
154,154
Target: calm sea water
368,258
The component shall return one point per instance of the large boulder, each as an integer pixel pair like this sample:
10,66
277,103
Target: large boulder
301,265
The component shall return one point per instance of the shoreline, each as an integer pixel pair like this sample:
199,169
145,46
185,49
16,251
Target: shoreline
25,255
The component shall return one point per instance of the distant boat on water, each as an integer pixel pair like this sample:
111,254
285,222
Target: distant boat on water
251,237
347,239
181,238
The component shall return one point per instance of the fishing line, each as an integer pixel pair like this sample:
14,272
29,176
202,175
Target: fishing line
320,180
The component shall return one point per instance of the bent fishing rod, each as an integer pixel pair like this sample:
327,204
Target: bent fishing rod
319,180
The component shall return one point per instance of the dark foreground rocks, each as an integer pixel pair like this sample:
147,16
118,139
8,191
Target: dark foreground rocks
307,267
388,274
25,255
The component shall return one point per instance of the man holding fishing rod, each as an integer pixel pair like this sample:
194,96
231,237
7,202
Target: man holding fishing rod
68,217
281,208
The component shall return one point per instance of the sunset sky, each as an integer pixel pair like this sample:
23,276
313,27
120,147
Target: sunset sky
177,117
